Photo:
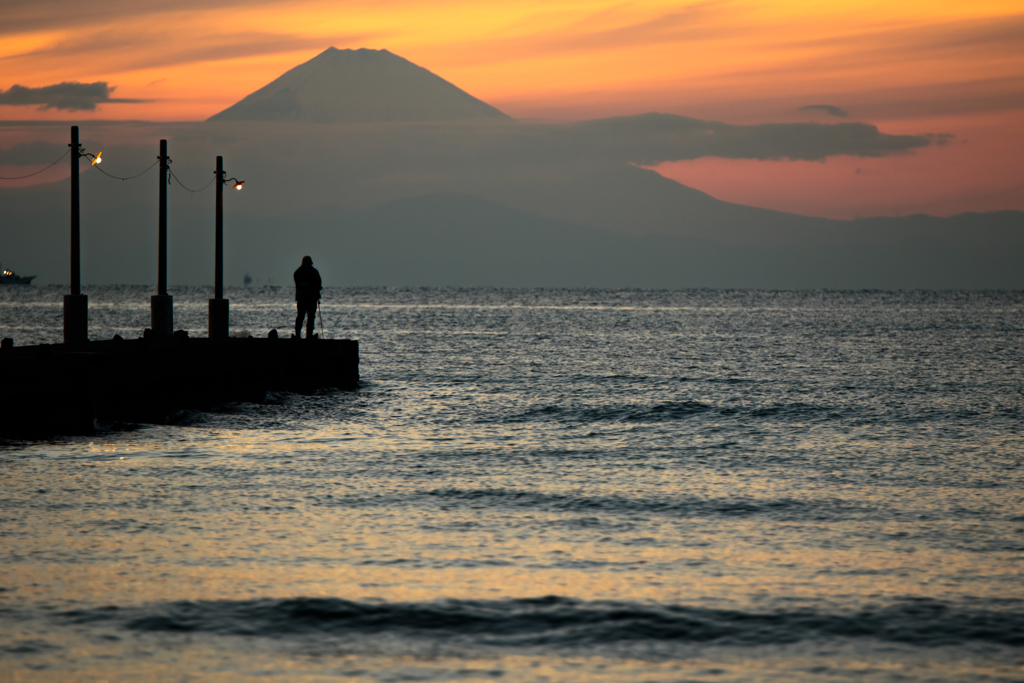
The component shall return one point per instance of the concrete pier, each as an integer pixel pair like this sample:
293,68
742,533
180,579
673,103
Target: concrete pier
161,319
76,318
61,389
219,317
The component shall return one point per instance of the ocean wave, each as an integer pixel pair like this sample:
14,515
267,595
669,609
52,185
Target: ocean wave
661,412
688,506
668,411
557,622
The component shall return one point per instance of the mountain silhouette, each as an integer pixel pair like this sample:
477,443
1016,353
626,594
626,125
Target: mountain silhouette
358,86
459,240
392,176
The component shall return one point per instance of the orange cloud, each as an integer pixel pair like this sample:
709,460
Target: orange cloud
522,50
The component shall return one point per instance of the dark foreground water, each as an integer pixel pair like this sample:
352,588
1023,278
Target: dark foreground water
544,486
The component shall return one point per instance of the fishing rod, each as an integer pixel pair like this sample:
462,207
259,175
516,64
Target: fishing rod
320,313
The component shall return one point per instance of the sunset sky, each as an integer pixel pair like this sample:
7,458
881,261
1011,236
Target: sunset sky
908,67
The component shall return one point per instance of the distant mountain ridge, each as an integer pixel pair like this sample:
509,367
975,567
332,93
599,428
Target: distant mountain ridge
431,186
450,239
358,86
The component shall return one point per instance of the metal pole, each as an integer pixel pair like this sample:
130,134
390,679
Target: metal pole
76,273
218,273
162,264
162,305
76,304
218,305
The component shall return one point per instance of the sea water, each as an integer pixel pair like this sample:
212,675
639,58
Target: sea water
542,485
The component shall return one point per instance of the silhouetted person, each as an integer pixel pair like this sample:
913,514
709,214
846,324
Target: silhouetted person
307,293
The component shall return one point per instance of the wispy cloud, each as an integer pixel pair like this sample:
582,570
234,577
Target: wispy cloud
829,109
19,16
996,35
650,139
701,21
67,96
31,153
150,49
608,30
988,40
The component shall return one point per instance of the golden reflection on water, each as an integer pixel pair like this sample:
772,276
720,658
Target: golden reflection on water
160,659
88,534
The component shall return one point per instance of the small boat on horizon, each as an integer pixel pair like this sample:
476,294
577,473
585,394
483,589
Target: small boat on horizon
9,277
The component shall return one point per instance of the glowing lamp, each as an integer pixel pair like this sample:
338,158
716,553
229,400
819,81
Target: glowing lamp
97,159
238,184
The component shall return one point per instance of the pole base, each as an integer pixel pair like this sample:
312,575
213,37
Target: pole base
161,315
218,318
76,318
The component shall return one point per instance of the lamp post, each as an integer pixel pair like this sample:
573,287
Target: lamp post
162,305
76,270
218,304
76,304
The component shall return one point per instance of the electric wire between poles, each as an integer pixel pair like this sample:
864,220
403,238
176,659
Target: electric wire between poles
186,187
39,171
132,177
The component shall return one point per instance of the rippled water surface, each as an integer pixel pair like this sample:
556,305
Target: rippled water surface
542,485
